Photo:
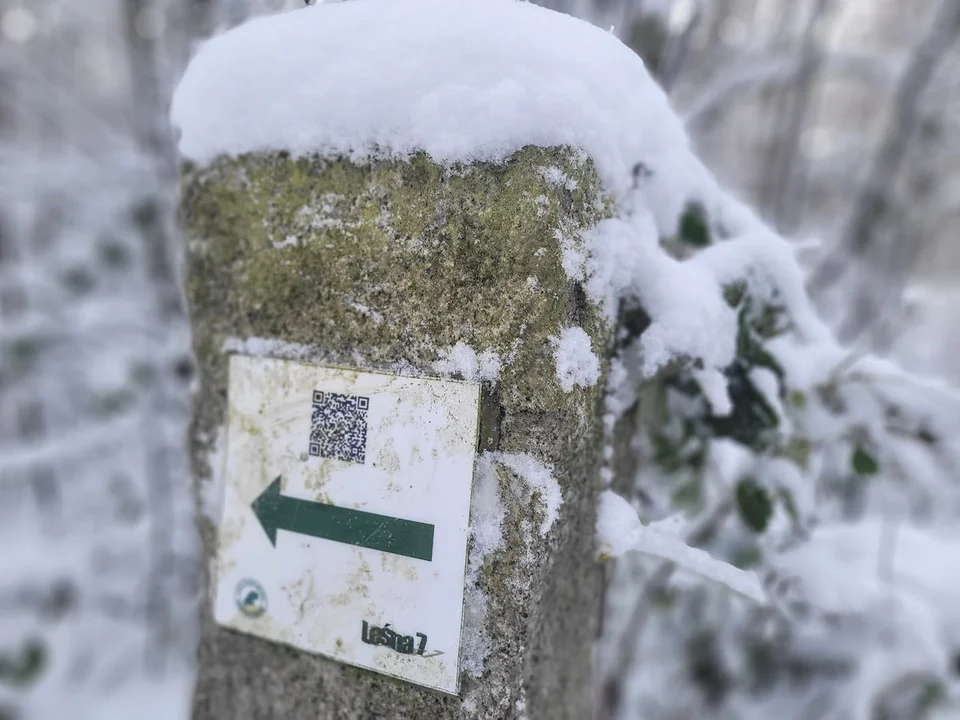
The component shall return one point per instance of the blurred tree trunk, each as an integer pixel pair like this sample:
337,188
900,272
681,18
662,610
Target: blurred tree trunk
785,183
868,239
98,597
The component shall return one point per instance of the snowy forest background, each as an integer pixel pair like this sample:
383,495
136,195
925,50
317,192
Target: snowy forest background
834,119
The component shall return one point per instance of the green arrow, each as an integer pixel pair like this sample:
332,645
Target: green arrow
353,527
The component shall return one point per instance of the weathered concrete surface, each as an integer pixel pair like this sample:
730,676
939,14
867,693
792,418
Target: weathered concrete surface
384,265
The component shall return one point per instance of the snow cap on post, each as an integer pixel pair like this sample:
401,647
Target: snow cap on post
462,80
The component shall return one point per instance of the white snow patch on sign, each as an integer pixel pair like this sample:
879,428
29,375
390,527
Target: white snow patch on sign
463,360
577,365
463,80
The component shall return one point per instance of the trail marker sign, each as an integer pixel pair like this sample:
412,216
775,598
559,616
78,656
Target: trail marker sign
346,514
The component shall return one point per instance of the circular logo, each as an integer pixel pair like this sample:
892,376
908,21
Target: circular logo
251,598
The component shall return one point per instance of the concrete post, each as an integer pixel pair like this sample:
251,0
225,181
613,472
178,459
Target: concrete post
389,266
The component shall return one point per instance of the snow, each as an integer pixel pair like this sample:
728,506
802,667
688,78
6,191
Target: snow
767,383
619,530
367,312
849,567
540,479
894,573
476,80
540,482
714,386
463,80
463,360
270,347
165,697
617,524
929,338
487,513
768,265
558,177
577,365
212,489
486,536
620,392
866,559
683,299
572,255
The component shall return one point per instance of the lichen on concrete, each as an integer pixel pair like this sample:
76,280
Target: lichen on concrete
387,264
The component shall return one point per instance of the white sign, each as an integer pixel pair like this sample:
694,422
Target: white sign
346,513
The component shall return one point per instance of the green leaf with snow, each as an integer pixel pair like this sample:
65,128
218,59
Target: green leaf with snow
693,230
797,399
734,294
746,557
754,505
789,505
688,495
797,450
863,462
750,347
25,666
752,420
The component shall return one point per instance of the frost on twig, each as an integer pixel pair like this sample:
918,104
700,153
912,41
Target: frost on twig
619,530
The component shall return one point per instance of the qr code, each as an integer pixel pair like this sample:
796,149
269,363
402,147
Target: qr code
338,426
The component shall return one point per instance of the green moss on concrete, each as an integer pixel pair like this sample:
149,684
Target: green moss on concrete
386,264
290,248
